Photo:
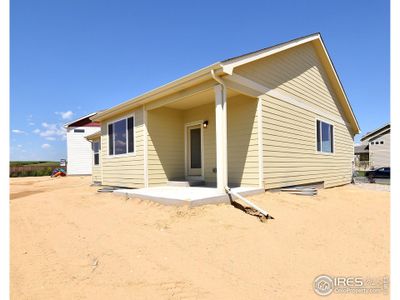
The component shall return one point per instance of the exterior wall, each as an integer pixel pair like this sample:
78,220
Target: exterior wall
124,170
79,151
242,141
289,131
96,169
379,154
165,145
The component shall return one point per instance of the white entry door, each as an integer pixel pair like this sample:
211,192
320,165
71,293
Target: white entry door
194,150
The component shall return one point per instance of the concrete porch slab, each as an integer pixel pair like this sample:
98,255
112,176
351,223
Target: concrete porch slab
192,196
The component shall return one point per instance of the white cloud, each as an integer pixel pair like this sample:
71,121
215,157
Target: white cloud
30,120
51,131
17,131
46,146
65,115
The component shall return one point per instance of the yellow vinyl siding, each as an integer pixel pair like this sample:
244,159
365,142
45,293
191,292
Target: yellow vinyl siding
242,141
165,145
125,170
297,71
289,132
96,169
290,156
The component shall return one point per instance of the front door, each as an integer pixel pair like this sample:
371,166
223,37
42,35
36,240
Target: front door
194,150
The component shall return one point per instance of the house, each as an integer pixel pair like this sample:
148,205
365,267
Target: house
79,151
374,150
272,118
361,156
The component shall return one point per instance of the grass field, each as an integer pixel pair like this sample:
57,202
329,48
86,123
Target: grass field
32,168
33,163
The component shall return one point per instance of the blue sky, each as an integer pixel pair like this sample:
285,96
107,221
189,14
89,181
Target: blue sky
69,58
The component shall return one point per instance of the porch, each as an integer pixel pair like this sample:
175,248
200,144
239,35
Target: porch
208,134
189,196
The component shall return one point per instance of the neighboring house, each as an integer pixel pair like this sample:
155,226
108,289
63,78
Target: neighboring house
79,152
271,118
375,148
95,160
361,156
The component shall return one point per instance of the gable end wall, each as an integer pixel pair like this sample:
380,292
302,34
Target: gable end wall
289,132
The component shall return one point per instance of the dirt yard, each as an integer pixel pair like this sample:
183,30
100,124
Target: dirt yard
70,242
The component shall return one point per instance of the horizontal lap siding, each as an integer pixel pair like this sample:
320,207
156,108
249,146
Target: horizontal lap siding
290,156
289,136
242,141
79,151
165,145
126,170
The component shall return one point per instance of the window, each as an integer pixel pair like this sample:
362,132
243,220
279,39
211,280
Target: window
324,137
79,130
381,142
96,150
121,136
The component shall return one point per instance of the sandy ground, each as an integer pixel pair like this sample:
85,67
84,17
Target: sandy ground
70,242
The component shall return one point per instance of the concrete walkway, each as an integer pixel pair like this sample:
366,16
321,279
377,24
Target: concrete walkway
192,196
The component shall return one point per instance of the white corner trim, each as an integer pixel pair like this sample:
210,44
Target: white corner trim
145,149
260,144
281,95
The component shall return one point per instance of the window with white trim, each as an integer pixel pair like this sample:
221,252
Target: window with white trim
121,138
324,137
96,153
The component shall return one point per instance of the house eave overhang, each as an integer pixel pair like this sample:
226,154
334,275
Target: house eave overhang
381,130
229,65
93,136
227,68
162,91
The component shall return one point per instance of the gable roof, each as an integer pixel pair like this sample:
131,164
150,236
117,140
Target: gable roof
361,149
81,121
226,67
381,130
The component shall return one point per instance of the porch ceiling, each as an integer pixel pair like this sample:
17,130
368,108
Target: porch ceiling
197,99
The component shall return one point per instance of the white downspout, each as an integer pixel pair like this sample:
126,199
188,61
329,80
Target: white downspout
228,190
